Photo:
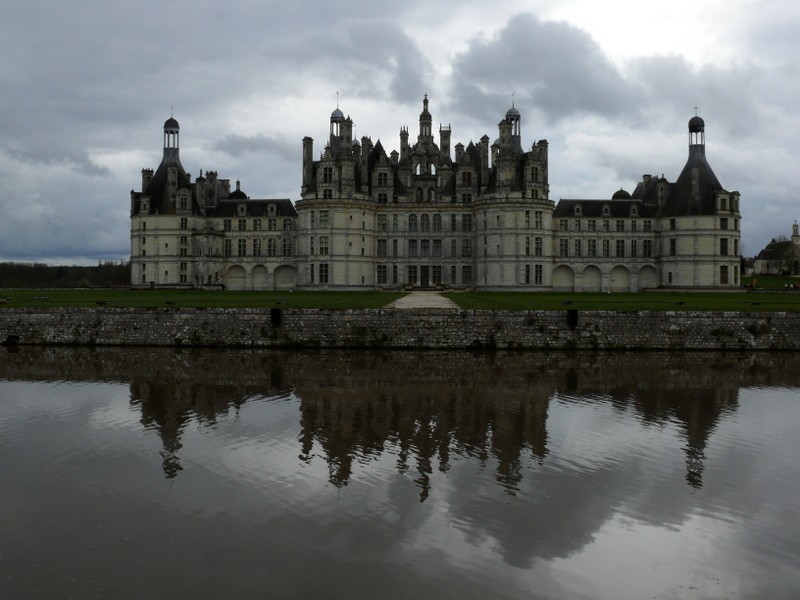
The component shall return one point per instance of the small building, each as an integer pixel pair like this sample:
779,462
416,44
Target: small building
780,257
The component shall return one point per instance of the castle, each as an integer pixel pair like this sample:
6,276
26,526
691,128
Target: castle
476,217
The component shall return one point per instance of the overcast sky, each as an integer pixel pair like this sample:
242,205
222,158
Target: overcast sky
87,85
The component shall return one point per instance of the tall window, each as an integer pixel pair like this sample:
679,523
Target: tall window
578,248
327,175
287,246
287,224
412,222
242,225
538,274
527,219
527,246
647,248
437,248
723,246
466,275
466,222
723,275
647,225
466,178
382,223
437,222
620,248
184,223
256,224
620,225
466,247
323,218
241,247
228,247
538,219
412,248
272,247
672,247
382,274
382,248
272,224
323,245
591,248
425,222
606,248
563,248
226,225
383,179
424,247
538,246
256,247
323,273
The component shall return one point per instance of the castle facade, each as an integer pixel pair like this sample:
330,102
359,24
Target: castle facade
431,215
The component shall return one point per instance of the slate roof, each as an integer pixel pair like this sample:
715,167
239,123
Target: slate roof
683,200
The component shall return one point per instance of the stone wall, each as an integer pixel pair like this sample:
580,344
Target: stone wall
392,328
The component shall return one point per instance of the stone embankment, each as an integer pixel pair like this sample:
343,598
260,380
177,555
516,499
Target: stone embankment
391,328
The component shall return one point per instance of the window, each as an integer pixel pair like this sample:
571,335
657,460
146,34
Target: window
382,223
323,273
606,248
412,222
272,247
241,247
184,223
672,247
723,275
183,252
382,248
272,224
723,223
394,248
256,224
327,194
256,247
620,225
394,274
647,225
576,225
452,223
466,222
453,248
436,274
538,277
437,248
527,274
633,226
591,248
383,198
606,225
620,248
563,248
311,273
327,175
287,246
466,178
383,179
323,218
735,247
466,275
466,198
647,248
287,224
313,219
412,248
311,245
538,219
672,224
592,225
242,225
323,245
425,223
562,225
538,246
228,247
577,248
534,174
466,247
382,274
412,274
633,248
527,219
424,247
437,222
723,246
184,201
527,246
395,225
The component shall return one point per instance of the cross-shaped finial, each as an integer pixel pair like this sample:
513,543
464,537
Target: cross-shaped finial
695,110
513,96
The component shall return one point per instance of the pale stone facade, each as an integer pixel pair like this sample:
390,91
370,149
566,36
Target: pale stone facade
478,218
780,257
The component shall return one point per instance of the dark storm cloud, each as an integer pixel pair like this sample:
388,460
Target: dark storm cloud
555,67
374,59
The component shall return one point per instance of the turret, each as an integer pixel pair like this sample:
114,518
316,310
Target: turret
308,161
444,141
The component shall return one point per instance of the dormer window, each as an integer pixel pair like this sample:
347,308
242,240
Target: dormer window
271,209
634,211
578,210
145,206
606,210
242,209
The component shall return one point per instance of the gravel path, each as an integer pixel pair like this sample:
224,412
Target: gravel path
420,299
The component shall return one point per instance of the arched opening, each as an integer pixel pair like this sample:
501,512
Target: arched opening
563,279
620,280
285,277
260,277
236,278
591,279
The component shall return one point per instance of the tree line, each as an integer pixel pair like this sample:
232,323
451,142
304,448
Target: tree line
34,275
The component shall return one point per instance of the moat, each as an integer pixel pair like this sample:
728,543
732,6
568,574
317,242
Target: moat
162,473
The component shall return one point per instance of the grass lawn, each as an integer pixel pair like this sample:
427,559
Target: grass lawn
710,301
193,298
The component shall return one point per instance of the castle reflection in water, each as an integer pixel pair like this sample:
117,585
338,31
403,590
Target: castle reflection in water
424,406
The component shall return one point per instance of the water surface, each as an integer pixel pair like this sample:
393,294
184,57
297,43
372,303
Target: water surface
133,473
